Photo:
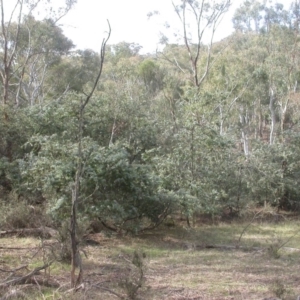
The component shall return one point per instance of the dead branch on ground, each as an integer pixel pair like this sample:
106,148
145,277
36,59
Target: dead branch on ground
27,278
46,232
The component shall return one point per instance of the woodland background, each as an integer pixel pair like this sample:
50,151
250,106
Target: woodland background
197,128
125,142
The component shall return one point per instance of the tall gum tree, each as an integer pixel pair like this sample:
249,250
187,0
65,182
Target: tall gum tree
199,21
13,14
42,46
10,35
277,34
203,18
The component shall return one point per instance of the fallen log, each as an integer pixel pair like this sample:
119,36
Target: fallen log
232,247
236,247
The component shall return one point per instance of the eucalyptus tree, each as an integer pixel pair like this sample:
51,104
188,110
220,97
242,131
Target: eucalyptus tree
12,35
248,17
42,46
266,45
276,34
190,63
203,18
25,55
284,64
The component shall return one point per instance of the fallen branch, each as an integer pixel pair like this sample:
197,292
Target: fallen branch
14,270
24,279
229,247
17,248
46,232
288,240
236,247
109,290
76,289
41,281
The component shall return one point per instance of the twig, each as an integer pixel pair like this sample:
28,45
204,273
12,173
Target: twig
245,228
284,243
110,291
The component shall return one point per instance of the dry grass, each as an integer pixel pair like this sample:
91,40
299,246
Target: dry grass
179,266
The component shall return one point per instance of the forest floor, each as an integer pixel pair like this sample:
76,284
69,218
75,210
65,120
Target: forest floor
204,262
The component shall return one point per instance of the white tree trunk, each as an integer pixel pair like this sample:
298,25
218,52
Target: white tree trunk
273,116
244,139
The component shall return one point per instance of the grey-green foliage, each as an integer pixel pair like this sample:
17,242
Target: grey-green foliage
260,17
204,171
152,75
151,140
112,188
273,173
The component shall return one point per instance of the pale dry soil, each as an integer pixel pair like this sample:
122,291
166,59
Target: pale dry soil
177,264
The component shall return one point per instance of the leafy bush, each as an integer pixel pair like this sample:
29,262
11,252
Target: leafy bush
112,188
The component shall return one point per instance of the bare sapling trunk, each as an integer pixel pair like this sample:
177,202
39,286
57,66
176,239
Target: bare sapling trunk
75,254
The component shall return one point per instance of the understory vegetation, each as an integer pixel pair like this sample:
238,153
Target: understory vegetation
124,145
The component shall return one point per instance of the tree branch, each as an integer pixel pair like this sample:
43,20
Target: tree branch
102,56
